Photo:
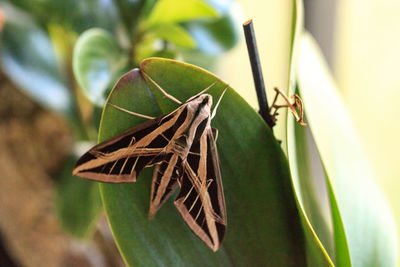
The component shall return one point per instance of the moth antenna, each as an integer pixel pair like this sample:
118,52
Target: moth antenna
131,112
202,92
206,89
219,100
162,90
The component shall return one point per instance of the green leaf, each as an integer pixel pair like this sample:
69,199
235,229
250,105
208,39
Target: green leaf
216,36
148,7
198,58
28,59
263,223
367,219
316,198
74,15
165,53
130,12
317,234
78,202
342,252
174,34
97,62
175,11
310,188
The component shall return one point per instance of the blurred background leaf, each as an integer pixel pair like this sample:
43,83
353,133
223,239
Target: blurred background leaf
78,202
315,195
98,63
28,58
74,14
363,208
175,11
214,37
174,34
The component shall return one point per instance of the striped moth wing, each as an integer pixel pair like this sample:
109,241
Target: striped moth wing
201,198
165,181
121,158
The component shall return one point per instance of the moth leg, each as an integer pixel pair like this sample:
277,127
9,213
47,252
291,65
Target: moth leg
194,153
215,133
202,223
297,103
163,136
131,112
187,195
162,90
165,180
198,213
203,188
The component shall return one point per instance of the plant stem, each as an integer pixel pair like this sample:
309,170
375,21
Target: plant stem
257,72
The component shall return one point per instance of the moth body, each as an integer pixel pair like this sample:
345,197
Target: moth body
198,112
181,146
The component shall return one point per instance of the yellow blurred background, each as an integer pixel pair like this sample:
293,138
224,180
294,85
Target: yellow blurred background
366,66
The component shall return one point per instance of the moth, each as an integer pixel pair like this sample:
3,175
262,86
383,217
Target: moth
181,146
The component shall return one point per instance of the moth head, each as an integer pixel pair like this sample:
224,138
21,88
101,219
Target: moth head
206,99
200,98
203,101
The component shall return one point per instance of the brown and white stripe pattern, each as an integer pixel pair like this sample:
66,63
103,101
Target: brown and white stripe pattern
181,146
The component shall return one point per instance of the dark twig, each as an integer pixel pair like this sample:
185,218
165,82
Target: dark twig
257,72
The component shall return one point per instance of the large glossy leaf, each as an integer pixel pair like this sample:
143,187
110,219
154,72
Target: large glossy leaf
342,252
97,62
311,211
316,198
28,58
263,223
367,220
312,195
